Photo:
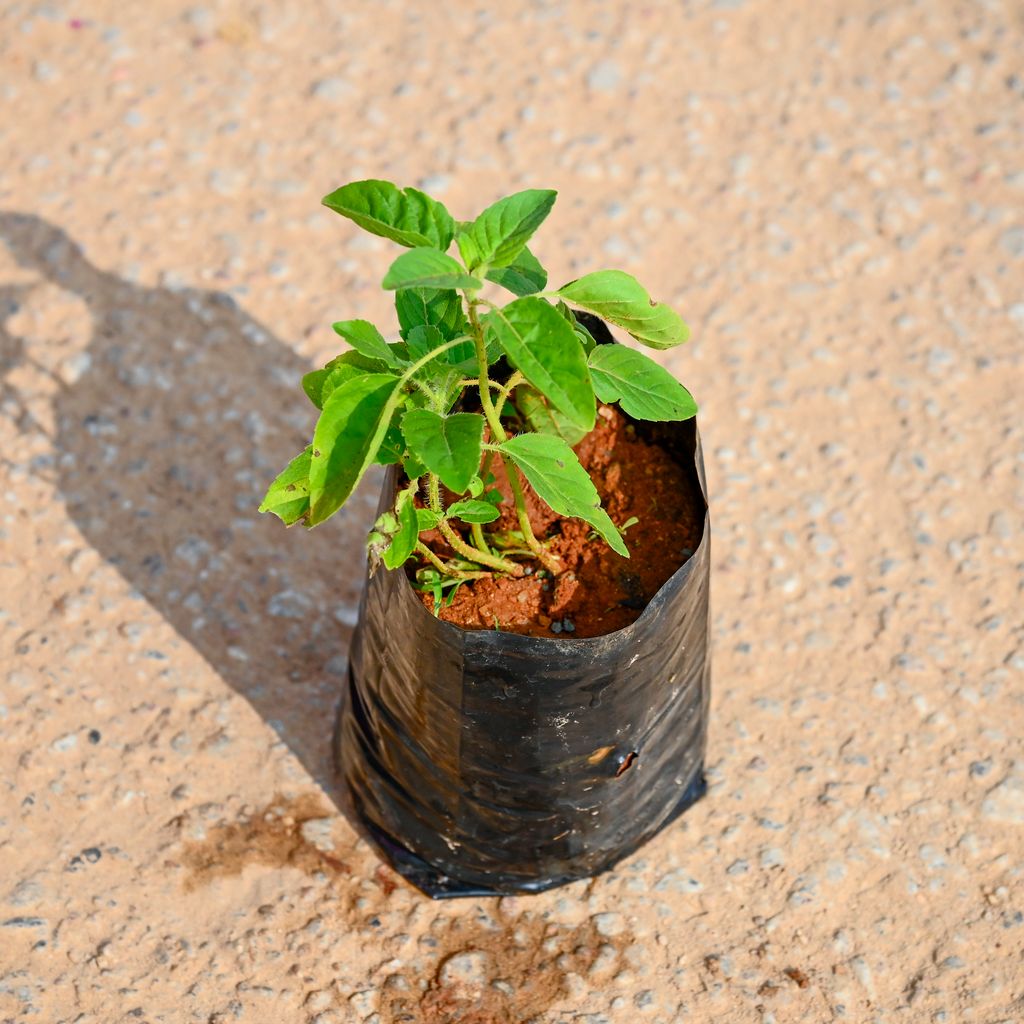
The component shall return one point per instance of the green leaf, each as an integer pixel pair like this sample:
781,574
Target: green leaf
644,389
347,436
498,235
471,510
449,446
541,343
440,308
367,340
554,472
623,301
426,519
403,543
392,446
523,276
542,417
406,216
428,268
414,469
337,371
425,338
288,495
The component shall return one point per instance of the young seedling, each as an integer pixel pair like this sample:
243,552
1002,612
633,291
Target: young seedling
472,381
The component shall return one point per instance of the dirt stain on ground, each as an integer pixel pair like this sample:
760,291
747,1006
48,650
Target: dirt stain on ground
272,836
529,963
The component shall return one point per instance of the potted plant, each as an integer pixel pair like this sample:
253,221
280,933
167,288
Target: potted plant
526,703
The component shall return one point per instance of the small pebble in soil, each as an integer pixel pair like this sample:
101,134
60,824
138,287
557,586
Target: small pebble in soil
94,736
568,625
556,627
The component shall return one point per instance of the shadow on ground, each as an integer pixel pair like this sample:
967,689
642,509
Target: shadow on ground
185,409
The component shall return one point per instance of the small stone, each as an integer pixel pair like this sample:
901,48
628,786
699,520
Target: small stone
568,625
362,1002
609,924
334,88
604,76
66,742
1012,240
1005,801
290,604
95,736
469,968
556,627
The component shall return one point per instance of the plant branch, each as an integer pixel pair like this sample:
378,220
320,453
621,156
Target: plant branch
445,567
499,435
484,557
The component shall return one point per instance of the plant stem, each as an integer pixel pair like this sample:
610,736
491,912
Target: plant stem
499,435
458,544
448,570
476,531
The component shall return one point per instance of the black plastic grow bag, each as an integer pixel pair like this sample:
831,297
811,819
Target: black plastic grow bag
489,763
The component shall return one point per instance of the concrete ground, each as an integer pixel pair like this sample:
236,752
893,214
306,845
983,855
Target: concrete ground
833,195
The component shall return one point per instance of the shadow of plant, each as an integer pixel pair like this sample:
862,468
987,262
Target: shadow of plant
185,410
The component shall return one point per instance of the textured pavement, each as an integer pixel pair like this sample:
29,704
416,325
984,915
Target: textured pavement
833,196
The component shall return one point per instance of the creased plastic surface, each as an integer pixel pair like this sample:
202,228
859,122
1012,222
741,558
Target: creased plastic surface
491,763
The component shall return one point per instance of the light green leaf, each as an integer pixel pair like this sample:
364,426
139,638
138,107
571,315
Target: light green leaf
623,301
643,389
542,344
472,510
555,473
426,519
498,235
367,340
406,216
428,268
403,543
542,417
449,446
347,437
440,308
355,365
523,276
288,495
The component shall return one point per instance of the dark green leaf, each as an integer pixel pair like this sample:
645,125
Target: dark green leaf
288,495
427,268
403,543
541,343
366,339
542,417
623,301
472,510
555,473
347,436
643,389
449,446
406,216
523,276
498,235
392,446
440,308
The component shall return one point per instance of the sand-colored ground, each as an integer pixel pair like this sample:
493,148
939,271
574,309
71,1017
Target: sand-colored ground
832,193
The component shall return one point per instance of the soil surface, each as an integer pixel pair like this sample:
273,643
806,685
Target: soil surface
597,591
